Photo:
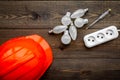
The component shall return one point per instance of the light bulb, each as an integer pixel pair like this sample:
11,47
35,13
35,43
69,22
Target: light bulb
66,39
58,29
73,31
79,13
66,20
79,22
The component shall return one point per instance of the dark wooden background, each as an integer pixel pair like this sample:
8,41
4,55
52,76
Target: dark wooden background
73,62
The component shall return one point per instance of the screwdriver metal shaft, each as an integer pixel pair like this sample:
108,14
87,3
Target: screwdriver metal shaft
99,18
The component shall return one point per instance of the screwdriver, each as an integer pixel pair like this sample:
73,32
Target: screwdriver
99,18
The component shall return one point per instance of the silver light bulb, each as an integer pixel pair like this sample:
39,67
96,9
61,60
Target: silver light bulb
58,29
66,20
79,13
73,31
79,22
66,39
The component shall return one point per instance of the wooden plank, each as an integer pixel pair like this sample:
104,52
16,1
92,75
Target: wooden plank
75,50
85,64
85,69
19,14
83,75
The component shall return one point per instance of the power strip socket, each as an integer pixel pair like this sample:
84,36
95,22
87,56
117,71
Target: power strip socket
101,36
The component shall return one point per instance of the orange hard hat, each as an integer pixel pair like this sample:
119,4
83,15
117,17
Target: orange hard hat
24,58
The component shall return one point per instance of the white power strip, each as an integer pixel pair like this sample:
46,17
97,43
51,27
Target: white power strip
101,36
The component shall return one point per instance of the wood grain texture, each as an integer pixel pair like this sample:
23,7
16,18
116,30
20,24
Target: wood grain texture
73,62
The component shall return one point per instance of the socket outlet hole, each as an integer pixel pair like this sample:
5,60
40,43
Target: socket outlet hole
100,36
91,39
109,32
